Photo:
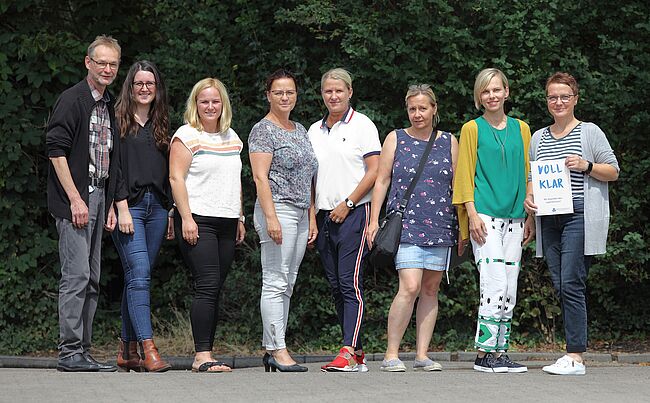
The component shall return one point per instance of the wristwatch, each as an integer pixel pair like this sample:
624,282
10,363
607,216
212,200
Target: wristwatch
242,219
349,203
589,168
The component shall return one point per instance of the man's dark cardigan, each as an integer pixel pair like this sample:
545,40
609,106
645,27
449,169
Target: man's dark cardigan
68,136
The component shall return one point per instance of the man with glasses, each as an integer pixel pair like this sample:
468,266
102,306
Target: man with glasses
81,145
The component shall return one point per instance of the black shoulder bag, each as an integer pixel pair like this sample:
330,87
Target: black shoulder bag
386,244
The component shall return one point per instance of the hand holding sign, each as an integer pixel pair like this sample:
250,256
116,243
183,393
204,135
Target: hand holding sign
551,187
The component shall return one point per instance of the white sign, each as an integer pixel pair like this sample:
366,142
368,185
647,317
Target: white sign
551,187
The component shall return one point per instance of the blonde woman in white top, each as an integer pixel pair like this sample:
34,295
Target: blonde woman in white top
205,176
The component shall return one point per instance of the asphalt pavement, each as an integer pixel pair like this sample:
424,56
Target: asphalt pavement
607,380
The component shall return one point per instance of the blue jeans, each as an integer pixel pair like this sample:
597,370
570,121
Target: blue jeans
563,241
138,253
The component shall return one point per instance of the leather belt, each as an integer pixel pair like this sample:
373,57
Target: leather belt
97,182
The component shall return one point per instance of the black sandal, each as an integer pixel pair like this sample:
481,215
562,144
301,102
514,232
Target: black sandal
209,364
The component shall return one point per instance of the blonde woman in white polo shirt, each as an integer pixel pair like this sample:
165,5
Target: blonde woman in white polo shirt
205,177
347,147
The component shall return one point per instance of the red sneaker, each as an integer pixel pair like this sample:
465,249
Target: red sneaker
344,362
361,362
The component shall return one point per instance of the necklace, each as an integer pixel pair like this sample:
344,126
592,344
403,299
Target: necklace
499,140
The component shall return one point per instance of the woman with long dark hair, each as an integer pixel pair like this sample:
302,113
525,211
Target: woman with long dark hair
142,201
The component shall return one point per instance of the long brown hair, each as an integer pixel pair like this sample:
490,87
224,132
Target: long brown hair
125,106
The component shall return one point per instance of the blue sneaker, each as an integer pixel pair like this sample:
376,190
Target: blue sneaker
489,363
511,365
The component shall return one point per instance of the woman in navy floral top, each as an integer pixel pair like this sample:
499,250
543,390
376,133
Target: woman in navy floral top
429,225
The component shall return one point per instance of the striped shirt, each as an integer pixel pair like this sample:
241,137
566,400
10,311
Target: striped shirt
551,148
213,179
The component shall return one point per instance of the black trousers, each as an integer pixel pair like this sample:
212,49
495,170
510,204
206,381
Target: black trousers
209,260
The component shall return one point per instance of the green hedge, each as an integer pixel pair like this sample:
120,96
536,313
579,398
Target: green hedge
386,45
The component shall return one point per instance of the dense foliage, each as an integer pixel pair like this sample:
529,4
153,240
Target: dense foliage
386,45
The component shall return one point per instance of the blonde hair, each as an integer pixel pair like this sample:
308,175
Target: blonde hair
423,89
337,74
483,80
191,114
104,40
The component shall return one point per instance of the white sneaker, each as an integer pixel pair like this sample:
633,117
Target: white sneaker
565,366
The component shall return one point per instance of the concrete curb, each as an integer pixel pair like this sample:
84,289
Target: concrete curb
185,363
633,358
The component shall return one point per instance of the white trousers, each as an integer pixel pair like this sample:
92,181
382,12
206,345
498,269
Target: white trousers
498,262
280,264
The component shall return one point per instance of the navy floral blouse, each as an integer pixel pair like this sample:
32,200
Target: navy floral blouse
430,218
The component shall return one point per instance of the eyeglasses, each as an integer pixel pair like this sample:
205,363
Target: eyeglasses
139,84
564,98
102,65
280,94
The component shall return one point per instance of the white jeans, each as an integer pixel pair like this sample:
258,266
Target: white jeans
280,264
498,261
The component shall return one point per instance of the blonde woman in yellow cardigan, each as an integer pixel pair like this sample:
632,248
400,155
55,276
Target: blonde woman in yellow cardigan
489,192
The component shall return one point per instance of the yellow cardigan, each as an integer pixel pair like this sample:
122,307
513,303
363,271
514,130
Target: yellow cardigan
466,169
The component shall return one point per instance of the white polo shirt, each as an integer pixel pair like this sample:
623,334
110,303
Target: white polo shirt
340,152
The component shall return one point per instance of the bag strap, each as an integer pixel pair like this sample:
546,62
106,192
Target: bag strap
423,160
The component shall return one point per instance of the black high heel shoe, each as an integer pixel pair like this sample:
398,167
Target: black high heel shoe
285,368
265,361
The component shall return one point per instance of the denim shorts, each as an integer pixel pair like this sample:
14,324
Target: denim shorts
411,256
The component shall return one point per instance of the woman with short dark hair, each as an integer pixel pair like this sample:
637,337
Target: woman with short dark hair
284,165
568,241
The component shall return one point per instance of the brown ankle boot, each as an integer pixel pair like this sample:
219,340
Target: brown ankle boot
128,358
152,361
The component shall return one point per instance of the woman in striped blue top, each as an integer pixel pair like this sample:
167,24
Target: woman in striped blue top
569,240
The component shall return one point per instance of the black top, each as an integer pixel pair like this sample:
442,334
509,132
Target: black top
68,130
142,165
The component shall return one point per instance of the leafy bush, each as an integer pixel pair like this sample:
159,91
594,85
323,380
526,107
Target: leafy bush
386,45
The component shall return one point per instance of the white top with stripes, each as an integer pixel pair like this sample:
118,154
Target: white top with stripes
551,148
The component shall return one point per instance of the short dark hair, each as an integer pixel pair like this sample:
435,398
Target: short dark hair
278,74
563,78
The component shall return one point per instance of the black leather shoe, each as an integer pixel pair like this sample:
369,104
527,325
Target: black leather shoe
285,368
265,361
102,366
76,363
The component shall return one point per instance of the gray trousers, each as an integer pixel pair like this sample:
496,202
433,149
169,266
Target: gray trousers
280,265
80,257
